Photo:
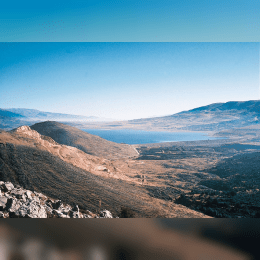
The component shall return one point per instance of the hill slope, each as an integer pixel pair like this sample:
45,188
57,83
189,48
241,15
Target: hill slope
25,161
94,164
86,142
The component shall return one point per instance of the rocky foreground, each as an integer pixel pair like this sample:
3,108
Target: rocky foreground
16,202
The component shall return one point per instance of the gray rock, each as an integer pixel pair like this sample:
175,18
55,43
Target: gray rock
36,210
65,209
87,216
28,194
14,205
59,214
7,186
105,214
16,202
3,202
64,216
18,193
74,214
23,211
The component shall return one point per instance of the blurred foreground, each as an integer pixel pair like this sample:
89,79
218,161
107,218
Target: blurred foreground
128,239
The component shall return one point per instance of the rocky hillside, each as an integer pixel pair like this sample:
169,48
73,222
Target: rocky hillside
16,202
90,144
28,159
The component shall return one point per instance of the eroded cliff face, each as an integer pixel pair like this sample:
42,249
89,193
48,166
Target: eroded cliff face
16,202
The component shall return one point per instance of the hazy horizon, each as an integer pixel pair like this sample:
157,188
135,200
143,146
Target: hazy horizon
125,81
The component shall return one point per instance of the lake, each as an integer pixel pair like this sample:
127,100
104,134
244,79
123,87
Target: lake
146,137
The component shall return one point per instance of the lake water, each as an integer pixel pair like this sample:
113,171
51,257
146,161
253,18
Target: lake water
145,137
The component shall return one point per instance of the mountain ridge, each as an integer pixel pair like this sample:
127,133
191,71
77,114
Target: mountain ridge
90,144
38,114
212,117
7,113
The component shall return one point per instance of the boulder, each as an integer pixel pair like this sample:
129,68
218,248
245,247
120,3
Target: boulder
16,202
36,210
105,214
14,207
65,209
28,194
7,186
3,202
18,193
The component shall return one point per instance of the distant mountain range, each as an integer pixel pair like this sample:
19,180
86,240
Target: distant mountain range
15,117
213,117
6,113
34,114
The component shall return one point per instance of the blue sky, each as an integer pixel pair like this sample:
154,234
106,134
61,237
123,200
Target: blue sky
126,80
130,20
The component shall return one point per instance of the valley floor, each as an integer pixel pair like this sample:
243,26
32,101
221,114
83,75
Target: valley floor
218,178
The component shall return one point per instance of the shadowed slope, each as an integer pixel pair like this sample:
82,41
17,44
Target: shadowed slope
86,142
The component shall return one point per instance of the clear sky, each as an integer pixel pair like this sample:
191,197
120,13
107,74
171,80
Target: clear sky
130,20
126,80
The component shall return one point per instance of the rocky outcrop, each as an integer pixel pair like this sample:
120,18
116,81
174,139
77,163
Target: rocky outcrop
16,202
